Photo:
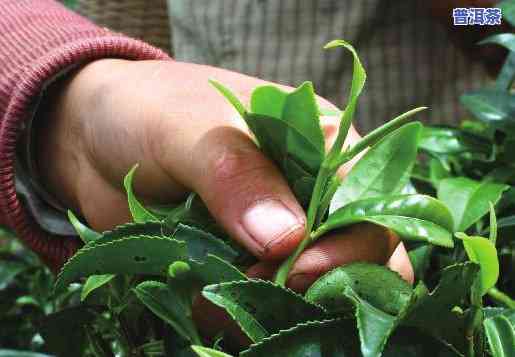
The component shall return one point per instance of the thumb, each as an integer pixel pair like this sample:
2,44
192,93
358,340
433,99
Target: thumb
245,192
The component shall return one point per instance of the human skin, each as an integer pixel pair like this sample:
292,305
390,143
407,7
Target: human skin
165,116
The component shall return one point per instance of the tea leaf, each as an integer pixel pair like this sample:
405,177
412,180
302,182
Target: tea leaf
139,213
170,305
380,170
295,156
412,217
506,77
144,255
85,233
281,142
493,225
496,311
506,40
261,308
366,280
359,77
420,258
377,134
468,200
193,212
153,348
94,282
214,270
175,345
501,336
132,229
482,251
361,286
8,272
452,141
454,286
328,338
63,331
508,11
297,109
409,342
494,107
303,182
230,96
268,100
208,352
301,112
374,325
287,129
17,353
201,243
438,172
423,207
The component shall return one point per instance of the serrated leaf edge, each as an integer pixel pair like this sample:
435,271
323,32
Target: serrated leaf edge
269,283
312,323
85,249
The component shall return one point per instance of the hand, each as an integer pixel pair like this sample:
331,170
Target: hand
164,115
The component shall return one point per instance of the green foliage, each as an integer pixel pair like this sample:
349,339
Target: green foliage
94,282
374,325
208,352
365,280
171,304
14,353
450,141
493,107
261,308
453,288
133,291
468,200
508,11
64,331
332,338
139,213
412,217
359,77
501,336
383,170
132,255
85,233
482,251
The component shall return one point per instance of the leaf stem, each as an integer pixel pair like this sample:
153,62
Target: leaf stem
375,135
502,298
326,198
320,183
474,322
195,339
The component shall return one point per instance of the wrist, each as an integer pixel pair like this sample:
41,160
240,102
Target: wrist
59,133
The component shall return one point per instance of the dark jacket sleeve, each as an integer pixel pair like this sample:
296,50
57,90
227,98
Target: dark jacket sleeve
38,40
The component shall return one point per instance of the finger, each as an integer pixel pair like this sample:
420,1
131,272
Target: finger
247,194
361,242
400,262
263,270
242,188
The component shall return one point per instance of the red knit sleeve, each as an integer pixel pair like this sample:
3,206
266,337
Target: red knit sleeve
39,39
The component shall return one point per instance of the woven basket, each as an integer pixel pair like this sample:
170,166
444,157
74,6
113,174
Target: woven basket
146,20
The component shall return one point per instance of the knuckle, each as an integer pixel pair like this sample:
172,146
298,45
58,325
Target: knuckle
236,165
